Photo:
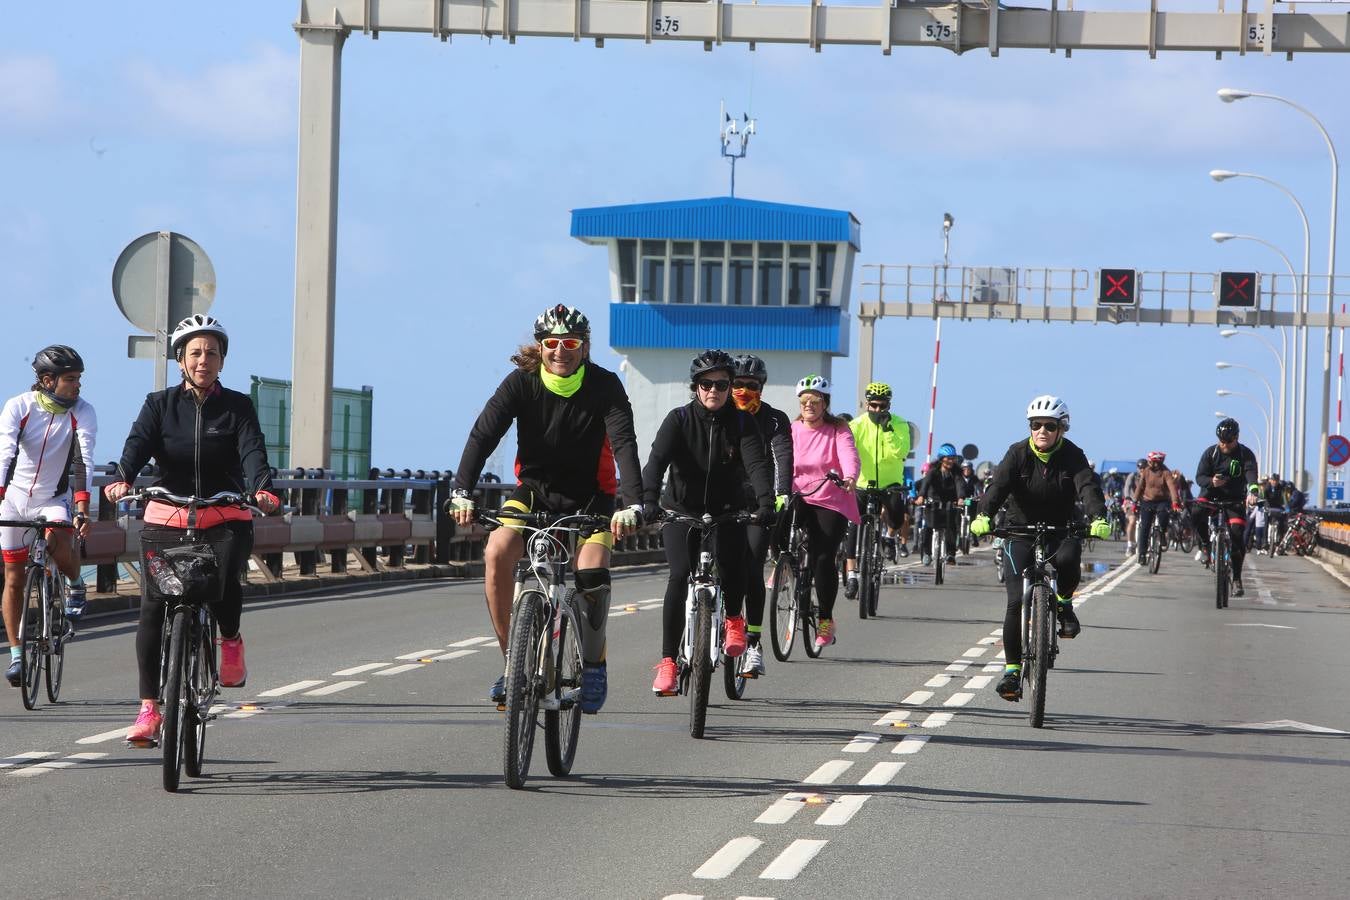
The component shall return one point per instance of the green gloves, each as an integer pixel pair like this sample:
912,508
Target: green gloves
979,526
1099,529
779,502
628,517
461,501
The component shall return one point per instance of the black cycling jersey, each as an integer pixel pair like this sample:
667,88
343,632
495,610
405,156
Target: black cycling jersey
709,455
943,485
1238,467
566,447
1045,492
775,431
201,449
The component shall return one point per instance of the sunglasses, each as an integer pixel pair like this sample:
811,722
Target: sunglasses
812,401
1051,426
565,343
720,384
746,385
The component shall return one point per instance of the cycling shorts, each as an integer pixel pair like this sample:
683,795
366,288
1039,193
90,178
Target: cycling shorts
526,499
14,542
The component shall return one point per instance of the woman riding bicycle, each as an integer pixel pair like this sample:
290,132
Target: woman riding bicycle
942,484
205,439
823,443
46,452
1041,479
711,449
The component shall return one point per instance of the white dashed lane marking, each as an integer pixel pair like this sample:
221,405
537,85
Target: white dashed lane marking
395,670
894,717
21,759
469,642
104,736
918,698
332,688
882,773
842,809
938,681
43,768
936,720
419,654
725,861
978,683
290,688
827,773
453,654
357,670
958,666
791,861
862,743
974,652
783,809
959,699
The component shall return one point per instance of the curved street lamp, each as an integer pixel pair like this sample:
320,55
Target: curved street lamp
1267,466
1260,451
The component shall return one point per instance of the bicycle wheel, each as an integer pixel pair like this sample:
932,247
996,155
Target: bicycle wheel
700,663
866,561
783,607
733,682
810,614
55,663
1220,573
30,638
1185,538
522,686
562,726
201,694
1000,567
938,558
175,700
1036,669
1155,548
874,595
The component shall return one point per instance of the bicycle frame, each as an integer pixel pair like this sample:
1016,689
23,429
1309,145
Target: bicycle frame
43,646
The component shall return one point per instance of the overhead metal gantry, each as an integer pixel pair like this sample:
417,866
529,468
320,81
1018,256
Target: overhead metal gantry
323,27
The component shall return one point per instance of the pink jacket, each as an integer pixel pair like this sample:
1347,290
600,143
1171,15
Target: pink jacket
816,451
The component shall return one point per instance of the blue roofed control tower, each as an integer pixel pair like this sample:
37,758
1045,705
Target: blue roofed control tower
744,276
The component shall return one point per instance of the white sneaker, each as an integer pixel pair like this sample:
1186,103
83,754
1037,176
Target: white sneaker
752,662
1129,548
1199,556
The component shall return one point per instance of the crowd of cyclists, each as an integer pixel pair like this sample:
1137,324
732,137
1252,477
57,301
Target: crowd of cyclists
726,450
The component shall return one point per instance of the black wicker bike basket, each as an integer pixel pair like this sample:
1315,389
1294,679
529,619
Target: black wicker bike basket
197,563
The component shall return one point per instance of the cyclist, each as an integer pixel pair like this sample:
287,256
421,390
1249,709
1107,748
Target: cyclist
1224,473
1127,502
1155,494
881,439
1254,537
1042,480
1113,485
1277,503
573,423
775,431
47,439
823,443
711,449
943,483
206,439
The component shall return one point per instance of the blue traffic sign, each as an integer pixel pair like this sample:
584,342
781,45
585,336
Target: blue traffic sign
1335,490
1338,450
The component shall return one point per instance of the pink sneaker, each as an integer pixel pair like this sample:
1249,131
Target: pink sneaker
825,634
233,672
733,644
145,733
667,675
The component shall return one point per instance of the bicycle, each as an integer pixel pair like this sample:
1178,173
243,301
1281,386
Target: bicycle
1300,535
1180,534
1040,635
963,529
701,645
792,607
868,552
1274,540
1156,542
1220,556
182,567
544,657
43,629
939,514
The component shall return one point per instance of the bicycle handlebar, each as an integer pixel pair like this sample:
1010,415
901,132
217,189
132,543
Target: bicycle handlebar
544,520
35,523
707,521
222,498
1039,529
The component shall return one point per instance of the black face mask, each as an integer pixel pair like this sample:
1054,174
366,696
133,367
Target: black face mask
879,416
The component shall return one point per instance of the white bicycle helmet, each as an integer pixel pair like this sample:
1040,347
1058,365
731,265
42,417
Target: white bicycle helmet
194,325
818,383
1047,406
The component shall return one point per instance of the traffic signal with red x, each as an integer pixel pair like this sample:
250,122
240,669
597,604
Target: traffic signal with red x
1239,289
1117,287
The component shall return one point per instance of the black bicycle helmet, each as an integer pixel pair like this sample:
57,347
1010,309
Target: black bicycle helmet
562,319
1227,430
749,366
57,359
711,361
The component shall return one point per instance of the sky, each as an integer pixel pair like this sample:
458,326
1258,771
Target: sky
461,161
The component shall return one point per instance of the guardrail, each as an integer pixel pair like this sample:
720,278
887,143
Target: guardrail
1333,533
369,523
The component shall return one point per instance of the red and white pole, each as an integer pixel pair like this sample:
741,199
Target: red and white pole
1340,376
932,403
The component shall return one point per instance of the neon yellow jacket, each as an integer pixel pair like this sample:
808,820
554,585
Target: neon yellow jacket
881,449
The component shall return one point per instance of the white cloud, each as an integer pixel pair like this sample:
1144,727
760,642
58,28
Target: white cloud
250,100
31,92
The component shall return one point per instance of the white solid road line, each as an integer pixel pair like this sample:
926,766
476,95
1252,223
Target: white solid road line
104,736
724,861
290,688
469,642
827,773
332,688
911,744
419,654
395,670
791,861
881,773
842,809
862,743
357,670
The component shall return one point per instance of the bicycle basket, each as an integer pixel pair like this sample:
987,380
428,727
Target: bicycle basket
175,567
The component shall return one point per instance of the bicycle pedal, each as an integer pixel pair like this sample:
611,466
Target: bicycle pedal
501,707
667,693
148,744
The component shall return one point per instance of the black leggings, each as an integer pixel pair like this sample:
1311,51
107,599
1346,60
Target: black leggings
1237,547
1067,558
149,633
757,551
825,529
681,543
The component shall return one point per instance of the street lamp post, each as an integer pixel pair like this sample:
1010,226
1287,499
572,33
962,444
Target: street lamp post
1269,392
1266,465
1228,95
1260,451
1296,386
1222,236
1280,456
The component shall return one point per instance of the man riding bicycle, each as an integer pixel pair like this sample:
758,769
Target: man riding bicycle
573,423
47,439
1155,495
1127,502
942,484
882,440
1042,480
1224,473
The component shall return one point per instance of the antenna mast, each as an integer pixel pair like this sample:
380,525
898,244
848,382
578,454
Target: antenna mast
737,134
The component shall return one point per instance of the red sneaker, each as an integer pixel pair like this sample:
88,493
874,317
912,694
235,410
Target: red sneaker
667,675
233,672
733,642
145,733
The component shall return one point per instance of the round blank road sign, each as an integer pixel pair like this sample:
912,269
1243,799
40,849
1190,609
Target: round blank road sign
192,280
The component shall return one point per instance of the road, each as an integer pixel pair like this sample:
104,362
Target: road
1188,752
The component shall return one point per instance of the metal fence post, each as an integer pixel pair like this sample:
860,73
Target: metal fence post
338,557
309,508
445,525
